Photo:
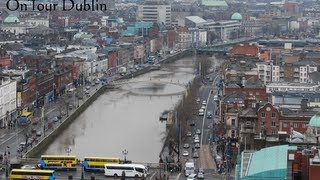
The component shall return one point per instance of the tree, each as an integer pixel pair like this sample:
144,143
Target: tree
203,65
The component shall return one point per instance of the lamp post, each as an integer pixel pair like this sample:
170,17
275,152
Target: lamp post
125,152
44,124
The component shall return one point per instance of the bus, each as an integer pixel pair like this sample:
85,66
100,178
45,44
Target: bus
57,162
97,163
25,117
32,174
129,170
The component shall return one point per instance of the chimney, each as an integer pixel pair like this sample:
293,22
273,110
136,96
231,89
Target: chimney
304,104
244,81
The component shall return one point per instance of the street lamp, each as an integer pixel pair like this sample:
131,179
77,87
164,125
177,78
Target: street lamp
125,152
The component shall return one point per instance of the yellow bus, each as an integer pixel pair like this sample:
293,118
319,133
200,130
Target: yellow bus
32,174
58,162
97,163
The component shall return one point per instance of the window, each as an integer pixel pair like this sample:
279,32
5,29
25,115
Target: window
263,115
295,125
273,115
233,122
304,125
273,123
285,125
262,123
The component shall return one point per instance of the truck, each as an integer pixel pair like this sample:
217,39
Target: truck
122,71
189,168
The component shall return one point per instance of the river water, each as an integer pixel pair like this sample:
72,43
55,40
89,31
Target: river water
128,118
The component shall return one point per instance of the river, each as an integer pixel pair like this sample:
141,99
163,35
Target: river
127,118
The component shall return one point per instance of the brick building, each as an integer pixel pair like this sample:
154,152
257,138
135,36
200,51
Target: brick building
5,60
268,120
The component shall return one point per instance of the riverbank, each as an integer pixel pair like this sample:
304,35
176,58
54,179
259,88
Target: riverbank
39,148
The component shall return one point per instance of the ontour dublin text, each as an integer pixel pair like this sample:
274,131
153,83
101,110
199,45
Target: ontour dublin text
66,5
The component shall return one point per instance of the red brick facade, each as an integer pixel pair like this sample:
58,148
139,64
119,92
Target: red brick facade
268,120
28,91
5,60
297,123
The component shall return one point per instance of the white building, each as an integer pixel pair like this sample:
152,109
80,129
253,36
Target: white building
224,30
8,104
155,11
268,72
199,37
293,87
303,69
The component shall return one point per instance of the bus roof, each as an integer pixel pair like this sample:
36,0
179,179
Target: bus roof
25,113
57,156
32,170
94,157
126,165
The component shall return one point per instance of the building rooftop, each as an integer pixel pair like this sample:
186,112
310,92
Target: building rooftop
217,3
11,19
315,121
236,16
196,19
268,163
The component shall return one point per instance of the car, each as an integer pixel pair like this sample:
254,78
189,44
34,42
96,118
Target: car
196,140
192,123
197,145
33,130
87,92
186,146
55,119
198,100
38,133
195,154
200,174
87,87
209,115
28,167
70,107
204,102
189,134
201,112
185,153
198,131
195,136
192,177
203,107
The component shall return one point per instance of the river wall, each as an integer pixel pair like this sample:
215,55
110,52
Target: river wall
38,149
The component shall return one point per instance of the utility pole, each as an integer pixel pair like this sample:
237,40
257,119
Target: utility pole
43,121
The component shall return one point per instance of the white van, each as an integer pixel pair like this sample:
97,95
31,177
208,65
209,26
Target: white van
189,168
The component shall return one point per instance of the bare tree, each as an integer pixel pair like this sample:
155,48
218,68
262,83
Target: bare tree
203,65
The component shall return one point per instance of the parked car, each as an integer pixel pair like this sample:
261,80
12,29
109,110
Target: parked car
38,133
192,177
198,131
200,174
186,146
197,145
204,102
87,92
55,119
189,134
87,87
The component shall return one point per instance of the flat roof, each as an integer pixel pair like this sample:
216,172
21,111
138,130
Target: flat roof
269,162
196,19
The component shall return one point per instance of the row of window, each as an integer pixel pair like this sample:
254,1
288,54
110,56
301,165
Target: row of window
273,115
58,159
295,125
103,160
32,173
120,168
